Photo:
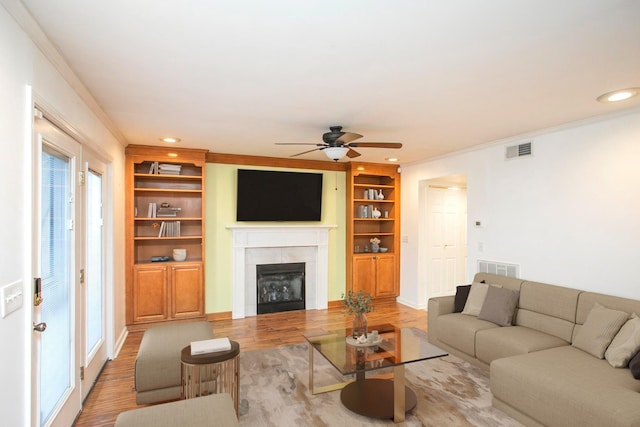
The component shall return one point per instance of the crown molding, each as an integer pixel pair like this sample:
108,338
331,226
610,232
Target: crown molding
23,18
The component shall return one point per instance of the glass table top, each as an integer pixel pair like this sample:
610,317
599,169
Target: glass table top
397,346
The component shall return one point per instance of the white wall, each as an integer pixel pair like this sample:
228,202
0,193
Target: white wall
22,66
569,214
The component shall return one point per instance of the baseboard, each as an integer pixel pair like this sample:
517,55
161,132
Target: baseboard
120,342
408,303
223,315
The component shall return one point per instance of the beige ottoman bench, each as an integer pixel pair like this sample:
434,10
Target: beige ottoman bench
212,410
157,369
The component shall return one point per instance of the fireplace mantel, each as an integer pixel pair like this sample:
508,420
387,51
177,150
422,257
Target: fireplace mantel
277,238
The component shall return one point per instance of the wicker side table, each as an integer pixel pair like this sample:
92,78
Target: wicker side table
210,373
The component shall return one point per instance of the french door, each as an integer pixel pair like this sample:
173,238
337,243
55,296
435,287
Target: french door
93,275
69,307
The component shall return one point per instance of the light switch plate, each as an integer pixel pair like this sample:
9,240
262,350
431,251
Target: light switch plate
11,298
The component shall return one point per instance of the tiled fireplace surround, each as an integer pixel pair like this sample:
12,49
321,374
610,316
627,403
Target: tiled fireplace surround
254,245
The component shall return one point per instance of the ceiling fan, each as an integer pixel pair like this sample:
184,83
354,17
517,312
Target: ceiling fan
337,143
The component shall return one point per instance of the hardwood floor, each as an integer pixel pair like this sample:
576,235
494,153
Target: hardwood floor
113,392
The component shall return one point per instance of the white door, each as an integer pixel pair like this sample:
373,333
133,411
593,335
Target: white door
56,388
446,240
92,280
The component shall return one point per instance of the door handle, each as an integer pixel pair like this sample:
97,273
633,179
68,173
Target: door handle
39,327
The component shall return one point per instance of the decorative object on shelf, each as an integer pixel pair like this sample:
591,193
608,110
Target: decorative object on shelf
376,213
358,304
380,195
179,254
383,250
375,244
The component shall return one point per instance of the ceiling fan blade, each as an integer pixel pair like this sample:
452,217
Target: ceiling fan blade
352,153
299,143
309,151
377,144
348,137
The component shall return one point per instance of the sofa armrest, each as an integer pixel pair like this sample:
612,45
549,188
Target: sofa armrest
437,307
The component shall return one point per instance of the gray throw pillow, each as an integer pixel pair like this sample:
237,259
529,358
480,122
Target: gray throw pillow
499,306
475,299
601,326
625,344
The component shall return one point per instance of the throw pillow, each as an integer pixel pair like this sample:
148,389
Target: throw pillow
462,293
601,326
477,294
634,365
499,305
625,344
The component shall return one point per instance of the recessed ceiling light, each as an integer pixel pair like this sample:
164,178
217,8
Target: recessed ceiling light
170,139
391,159
619,95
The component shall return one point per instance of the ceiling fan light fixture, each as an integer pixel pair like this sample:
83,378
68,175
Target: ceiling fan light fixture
335,153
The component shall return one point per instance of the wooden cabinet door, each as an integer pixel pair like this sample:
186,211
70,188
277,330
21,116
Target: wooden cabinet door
385,276
187,295
149,293
364,274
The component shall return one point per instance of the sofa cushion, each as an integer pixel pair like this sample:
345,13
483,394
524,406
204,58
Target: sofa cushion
634,366
625,344
462,293
495,343
459,331
476,297
499,306
565,386
601,325
548,308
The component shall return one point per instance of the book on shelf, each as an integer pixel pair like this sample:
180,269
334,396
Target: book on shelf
152,210
153,169
168,211
169,229
169,169
366,211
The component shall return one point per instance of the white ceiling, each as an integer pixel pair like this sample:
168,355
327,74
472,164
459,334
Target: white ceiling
439,76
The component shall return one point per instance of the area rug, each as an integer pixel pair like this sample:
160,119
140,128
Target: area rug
274,392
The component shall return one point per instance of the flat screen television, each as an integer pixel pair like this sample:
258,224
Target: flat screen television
278,196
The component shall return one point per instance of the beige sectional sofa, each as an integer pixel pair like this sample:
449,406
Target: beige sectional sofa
536,375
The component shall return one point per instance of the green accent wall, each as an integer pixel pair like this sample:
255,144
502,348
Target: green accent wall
220,208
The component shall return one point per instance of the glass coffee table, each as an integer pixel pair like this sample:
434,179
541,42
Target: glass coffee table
382,396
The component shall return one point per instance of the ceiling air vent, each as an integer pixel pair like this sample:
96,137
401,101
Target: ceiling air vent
520,150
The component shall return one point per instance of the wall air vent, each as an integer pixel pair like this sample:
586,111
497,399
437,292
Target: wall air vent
499,268
520,150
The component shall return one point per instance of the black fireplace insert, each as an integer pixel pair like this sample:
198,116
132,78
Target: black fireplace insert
280,287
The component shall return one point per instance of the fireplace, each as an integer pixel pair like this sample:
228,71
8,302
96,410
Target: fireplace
280,287
254,245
